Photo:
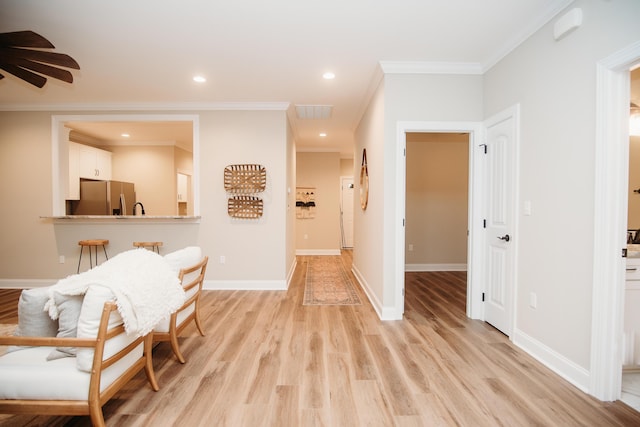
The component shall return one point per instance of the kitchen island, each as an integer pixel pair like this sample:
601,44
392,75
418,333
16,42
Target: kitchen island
174,231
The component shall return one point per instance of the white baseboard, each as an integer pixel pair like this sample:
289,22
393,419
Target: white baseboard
292,270
575,374
310,252
25,283
245,285
384,313
367,290
435,267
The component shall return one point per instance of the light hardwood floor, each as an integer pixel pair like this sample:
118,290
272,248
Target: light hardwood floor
267,360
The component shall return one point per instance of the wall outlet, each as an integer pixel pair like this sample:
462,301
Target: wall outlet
306,236
223,259
61,259
533,300
410,247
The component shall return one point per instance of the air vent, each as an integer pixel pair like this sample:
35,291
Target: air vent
314,111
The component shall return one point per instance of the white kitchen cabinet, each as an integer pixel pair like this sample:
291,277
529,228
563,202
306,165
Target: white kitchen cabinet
94,163
631,351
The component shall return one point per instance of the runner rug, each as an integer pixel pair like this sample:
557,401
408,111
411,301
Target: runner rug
327,283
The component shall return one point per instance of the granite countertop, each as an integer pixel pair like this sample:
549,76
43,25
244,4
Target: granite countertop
127,218
124,217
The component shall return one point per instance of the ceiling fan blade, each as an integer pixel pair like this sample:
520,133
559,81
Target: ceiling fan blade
26,75
19,53
25,39
52,58
47,70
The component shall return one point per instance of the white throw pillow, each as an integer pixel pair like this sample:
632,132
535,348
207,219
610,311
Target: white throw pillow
183,258
89,322
33,320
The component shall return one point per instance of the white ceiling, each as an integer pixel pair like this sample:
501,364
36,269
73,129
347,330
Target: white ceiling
143,53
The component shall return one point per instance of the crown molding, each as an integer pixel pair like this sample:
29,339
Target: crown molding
525,32
425,67
183,106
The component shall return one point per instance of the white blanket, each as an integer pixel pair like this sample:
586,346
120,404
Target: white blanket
146,288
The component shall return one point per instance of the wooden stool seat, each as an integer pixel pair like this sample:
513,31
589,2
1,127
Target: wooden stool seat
92,243
155,246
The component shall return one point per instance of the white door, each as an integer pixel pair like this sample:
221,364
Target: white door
500,210
346,211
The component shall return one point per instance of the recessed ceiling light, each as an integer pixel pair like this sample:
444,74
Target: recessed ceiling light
328,75
125,135
199,79
323,134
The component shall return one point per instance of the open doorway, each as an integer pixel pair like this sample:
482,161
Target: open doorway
630,393
436,207
473,132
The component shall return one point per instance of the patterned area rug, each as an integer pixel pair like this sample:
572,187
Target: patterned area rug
327,283
6,329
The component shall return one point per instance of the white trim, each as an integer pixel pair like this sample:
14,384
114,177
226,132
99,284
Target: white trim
245,285
384,313
474,249
423,67
292,270
434,267
26,283
526,31
575,374
184,106
322,252
610,221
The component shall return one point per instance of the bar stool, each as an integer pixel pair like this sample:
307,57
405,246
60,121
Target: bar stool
155,246
93,243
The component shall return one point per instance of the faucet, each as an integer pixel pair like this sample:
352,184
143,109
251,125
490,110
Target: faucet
141,206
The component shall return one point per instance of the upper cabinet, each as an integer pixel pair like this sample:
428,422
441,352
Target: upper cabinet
94,163
86,162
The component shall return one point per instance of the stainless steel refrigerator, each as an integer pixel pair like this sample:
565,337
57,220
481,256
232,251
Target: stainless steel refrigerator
105,198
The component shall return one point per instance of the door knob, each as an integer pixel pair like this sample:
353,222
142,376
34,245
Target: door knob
505,238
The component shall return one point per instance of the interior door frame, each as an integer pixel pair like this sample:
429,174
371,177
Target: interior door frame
610,220
474,244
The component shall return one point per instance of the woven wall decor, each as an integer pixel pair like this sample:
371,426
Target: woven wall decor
245,179
245,207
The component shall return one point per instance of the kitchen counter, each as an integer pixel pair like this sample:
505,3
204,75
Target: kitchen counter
633,250
124,218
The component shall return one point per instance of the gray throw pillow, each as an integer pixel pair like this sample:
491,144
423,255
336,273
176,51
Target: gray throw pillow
68,312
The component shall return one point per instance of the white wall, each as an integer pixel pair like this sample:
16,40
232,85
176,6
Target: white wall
400,97
368,224
290,251
555,83
257,252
